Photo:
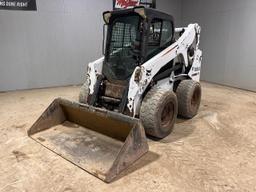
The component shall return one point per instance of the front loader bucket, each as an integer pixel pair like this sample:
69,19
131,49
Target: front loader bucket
100,142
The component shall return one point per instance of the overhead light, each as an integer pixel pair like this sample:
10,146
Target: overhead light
106,16
140,11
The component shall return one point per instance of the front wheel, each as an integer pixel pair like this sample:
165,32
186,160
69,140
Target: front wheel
158,112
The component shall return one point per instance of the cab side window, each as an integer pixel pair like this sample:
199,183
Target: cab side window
154,39
166,36
160,36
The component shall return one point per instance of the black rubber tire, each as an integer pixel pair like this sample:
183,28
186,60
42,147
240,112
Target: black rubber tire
189,98
158,112
84,92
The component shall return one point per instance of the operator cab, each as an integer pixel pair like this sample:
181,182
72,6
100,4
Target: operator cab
133,37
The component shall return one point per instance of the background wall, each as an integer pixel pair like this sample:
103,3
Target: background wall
228,39
52,46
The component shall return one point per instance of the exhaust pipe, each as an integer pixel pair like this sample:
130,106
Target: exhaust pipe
101,142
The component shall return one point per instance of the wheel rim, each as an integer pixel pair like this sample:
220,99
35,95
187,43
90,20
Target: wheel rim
167,114
196,98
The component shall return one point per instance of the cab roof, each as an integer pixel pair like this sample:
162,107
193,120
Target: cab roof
149,12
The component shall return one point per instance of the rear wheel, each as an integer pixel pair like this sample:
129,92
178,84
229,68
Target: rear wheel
159,112
84,91
189,98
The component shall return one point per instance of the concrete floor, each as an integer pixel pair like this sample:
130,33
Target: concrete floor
216,151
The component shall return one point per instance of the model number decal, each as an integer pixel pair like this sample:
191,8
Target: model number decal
196,68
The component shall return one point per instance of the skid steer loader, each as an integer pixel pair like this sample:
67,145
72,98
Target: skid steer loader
149,74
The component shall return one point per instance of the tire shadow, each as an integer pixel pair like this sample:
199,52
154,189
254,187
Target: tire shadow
145,160
183,128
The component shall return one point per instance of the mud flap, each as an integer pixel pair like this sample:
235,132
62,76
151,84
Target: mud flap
100,142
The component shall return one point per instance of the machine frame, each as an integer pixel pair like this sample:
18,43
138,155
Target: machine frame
144,73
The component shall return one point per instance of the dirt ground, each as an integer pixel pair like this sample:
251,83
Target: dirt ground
216,151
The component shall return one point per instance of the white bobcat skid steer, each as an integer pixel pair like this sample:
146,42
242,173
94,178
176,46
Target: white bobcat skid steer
146,73
144,80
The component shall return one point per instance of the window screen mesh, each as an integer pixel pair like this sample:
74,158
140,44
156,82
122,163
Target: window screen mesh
122,37
121,59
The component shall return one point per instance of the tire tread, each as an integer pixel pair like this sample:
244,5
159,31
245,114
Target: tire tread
149,108
184,93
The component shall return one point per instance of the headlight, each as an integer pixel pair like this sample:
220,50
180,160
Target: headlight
140,11
106,17
137,75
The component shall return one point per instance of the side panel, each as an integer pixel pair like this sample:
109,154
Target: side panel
195,71
94,69
153,66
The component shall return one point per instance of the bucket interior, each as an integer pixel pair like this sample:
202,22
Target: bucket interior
89,138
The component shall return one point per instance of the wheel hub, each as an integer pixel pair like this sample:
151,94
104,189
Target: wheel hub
196,98
167,114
